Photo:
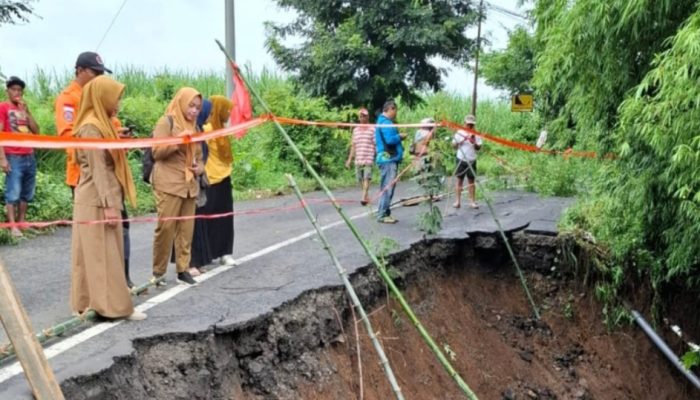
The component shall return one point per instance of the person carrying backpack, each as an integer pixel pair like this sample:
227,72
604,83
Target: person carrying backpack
175,185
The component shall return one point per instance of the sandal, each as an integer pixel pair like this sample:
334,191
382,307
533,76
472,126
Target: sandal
194,271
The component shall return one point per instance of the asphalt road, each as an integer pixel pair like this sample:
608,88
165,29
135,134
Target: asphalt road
281,259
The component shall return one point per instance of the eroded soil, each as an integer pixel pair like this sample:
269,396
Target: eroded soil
481,317
468,297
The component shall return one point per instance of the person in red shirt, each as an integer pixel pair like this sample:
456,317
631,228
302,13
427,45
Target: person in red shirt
88,66
18,162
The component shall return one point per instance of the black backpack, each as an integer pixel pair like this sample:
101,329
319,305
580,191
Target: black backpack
147,159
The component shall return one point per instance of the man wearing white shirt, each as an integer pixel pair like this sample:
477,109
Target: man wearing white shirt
467,145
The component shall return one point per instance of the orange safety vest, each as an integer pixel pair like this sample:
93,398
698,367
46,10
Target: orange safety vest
66,110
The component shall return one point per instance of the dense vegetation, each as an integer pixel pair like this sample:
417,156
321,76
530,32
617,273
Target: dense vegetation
622,76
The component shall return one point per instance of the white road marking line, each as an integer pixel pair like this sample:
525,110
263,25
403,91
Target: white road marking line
72,341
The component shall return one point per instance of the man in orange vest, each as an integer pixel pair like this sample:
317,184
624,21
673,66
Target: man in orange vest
88,66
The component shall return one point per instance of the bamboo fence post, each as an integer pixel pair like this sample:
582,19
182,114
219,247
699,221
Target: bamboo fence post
351,291
19,329
365,246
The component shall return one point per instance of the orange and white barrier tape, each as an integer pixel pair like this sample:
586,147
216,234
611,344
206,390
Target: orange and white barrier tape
60,142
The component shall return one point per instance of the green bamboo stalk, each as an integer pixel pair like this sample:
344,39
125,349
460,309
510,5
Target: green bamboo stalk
351,291
521,275
7,350
381,268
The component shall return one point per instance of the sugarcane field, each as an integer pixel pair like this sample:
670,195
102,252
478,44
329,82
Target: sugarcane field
324,200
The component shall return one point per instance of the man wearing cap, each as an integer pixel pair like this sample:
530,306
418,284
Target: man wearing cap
421,141
17,162
88,66
362,148
467,145
389,156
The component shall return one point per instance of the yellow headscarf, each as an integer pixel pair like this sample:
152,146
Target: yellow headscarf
98,102
220,113
176,109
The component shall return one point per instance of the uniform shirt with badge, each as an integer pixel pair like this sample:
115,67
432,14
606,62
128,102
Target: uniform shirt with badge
14,120
66,109
466,150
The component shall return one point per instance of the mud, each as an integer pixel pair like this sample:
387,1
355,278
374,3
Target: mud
467,295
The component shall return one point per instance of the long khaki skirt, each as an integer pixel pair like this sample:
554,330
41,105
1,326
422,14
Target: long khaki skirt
97,266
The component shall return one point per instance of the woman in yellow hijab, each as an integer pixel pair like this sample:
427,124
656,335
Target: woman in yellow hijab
97,263
219,193
175,185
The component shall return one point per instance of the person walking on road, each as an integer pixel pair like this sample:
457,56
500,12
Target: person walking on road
97,259
175,186
18,163
467,145
362,148
389,156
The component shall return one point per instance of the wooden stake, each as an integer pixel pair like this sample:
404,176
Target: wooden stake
30,354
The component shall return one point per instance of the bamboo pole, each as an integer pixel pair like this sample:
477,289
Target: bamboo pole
381,268
521,275
16,322
351,291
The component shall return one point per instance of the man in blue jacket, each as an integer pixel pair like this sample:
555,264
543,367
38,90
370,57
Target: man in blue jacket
389,155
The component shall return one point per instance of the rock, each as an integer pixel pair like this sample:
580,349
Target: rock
508,394
485,242
339,339
583,383
532,394
580,394
526,355
255,367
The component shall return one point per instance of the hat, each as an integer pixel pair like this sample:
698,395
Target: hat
363,111
427,121
470,120
13,80
91,60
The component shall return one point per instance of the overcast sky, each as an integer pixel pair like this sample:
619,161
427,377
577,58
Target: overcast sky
177,34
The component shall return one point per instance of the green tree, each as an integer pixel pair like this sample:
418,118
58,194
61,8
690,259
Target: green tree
12,12
658,177
512,68
593,53
629,71
363,51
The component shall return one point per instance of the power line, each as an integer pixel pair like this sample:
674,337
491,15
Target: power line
111,24
505,11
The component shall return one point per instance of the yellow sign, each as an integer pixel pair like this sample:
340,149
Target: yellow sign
522,103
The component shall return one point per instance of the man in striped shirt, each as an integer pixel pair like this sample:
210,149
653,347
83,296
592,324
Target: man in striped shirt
363,149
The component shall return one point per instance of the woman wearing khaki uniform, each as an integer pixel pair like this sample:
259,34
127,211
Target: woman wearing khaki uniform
97,266
174,185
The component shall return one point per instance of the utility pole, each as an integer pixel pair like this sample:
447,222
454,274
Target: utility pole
476,63
230,16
